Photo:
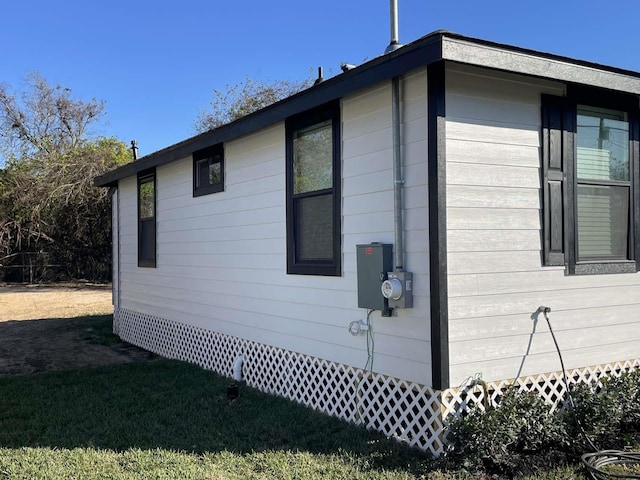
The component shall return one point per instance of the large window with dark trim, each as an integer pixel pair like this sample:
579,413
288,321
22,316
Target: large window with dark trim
208,170
147,219
590,183
313,192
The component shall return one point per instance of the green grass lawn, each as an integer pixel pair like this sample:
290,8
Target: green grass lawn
170,420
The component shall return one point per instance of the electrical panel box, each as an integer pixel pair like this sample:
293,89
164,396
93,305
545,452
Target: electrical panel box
374,260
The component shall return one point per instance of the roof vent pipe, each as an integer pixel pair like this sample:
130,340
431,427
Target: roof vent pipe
320,78
393,23
134,149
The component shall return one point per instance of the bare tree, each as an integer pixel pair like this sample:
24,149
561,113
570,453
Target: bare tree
48,203
243,98
44,120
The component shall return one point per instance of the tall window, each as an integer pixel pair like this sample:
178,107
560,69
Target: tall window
208,171
603,184
590,185
313,192
147,219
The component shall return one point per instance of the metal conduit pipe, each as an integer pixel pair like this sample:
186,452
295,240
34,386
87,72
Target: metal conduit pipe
398,180
398,287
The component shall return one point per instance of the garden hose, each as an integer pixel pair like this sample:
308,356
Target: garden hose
596,461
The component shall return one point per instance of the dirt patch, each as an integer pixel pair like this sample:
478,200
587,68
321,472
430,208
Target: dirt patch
32,302
59,328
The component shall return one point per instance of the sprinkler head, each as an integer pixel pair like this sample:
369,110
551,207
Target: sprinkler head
232,391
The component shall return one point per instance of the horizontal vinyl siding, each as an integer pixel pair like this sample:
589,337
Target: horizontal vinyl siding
368,208
495,277
222,257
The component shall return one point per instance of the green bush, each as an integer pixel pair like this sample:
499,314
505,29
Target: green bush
609,414
521,433
498,440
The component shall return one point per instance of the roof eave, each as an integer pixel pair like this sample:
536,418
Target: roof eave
411,56
485,54
437,46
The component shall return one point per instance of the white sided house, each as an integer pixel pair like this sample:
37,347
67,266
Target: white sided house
478,181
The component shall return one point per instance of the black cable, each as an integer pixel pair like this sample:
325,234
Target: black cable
594,462
367,368
370,344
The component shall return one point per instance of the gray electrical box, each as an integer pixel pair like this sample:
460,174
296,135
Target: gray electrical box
374,260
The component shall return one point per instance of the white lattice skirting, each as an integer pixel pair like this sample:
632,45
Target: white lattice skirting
404,410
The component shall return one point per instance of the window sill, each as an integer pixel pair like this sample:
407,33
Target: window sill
320,270
603,268
208,190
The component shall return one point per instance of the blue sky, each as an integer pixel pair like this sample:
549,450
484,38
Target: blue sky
156,64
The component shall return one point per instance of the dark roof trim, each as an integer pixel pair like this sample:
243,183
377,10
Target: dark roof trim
439,45
419,53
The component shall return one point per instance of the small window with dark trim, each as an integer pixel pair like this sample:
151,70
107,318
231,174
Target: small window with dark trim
590,183
313,192
208,171
147,219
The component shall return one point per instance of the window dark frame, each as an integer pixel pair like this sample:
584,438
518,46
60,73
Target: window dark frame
560,182
147,258
332,267
214,154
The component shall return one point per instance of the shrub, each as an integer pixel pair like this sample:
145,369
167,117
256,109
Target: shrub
609,414
521,434
498,439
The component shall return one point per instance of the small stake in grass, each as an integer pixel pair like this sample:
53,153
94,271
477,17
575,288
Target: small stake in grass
232,391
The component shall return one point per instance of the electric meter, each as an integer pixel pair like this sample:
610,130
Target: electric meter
398,289
392,289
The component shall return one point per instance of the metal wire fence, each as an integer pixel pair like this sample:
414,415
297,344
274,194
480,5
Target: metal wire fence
32,267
